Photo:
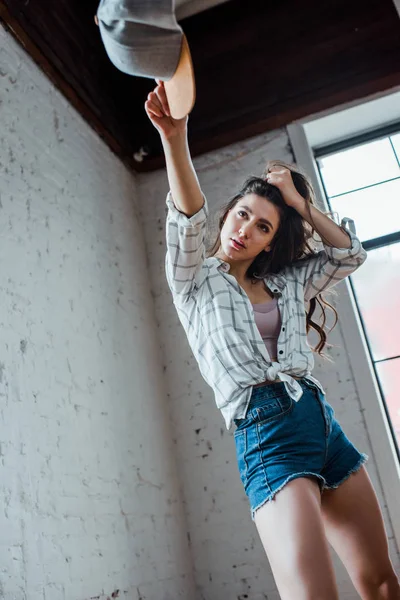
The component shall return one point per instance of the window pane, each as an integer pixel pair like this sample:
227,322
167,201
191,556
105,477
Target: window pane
389,377
377,289
358,167
396,144
376,210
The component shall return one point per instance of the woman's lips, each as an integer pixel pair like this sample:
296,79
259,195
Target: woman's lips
236,245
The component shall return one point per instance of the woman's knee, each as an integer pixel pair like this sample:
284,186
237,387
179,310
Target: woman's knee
380,584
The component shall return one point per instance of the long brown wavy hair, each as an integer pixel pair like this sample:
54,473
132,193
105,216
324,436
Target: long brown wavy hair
290,243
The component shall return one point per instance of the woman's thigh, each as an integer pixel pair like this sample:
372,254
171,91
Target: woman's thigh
355,528
292,533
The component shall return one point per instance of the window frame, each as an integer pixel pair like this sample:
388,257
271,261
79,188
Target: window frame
380,133
323,151
377,424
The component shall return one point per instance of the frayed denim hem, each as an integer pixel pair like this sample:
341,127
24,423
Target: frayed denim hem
324,486
361,462
287,480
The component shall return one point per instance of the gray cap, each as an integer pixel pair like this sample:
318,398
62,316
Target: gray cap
141,37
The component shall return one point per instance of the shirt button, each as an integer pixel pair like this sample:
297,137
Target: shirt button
280,351
283,329
275,291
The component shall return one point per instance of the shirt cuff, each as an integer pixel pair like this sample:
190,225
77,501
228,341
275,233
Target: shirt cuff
355,249
181,219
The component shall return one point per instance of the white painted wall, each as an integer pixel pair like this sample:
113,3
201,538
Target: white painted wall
228,558
89,494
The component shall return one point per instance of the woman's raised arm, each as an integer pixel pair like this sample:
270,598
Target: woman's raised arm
183,182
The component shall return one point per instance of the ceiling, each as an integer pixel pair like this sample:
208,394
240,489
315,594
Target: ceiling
258,64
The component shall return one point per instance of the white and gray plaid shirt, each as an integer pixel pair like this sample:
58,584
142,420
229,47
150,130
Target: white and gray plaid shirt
218,316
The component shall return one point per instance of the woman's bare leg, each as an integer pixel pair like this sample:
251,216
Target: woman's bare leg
355,528
292,533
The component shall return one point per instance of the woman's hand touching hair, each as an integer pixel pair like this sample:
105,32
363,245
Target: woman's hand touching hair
281,177
157,110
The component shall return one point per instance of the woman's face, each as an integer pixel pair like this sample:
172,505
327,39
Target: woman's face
249,228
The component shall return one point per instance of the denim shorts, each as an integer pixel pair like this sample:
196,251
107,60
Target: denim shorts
281,439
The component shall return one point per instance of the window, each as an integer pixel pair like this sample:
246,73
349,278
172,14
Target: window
361,178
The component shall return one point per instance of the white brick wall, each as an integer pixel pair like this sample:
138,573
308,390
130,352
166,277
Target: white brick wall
228,556
89,495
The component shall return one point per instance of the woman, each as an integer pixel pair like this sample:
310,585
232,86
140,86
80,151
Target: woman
244,311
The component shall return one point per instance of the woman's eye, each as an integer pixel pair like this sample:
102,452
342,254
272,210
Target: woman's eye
243,213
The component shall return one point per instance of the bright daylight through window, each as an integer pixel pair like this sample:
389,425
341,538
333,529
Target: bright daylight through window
363,182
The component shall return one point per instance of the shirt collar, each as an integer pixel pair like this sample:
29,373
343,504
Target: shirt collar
276,280
222,265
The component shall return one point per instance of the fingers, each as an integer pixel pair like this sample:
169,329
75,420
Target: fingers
153,110
154,105
162,96
278,170
275,177
158,98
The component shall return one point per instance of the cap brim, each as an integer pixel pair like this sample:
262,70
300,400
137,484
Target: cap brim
181,88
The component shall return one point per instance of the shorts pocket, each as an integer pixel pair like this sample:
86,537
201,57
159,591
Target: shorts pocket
326,407
241,447
272,409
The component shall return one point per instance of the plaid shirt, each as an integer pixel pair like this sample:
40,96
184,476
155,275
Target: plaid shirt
218,317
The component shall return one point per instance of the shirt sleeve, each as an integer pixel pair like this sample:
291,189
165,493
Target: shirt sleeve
330,265
185,248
